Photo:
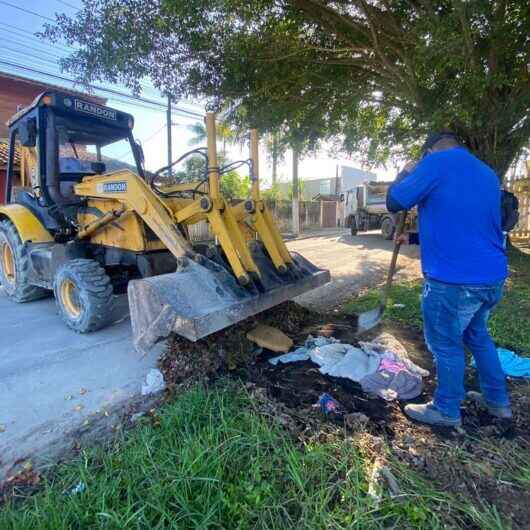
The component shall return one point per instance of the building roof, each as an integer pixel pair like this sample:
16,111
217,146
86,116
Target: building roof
4,152
47,86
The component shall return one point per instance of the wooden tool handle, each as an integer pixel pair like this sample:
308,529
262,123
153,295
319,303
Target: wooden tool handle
400,228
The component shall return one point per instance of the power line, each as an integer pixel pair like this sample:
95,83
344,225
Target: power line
60,50
60,54
128,152
8,4
68,5
27,34
186,112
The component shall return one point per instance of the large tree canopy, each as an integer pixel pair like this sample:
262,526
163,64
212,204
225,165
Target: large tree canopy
372,74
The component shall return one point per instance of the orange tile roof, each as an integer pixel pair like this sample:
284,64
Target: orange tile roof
4,151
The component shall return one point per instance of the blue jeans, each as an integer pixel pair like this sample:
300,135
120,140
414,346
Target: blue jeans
456,316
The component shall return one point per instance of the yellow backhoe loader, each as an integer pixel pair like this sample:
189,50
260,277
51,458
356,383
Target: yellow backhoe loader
87,227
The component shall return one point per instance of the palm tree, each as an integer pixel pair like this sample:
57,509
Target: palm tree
225,134
199,130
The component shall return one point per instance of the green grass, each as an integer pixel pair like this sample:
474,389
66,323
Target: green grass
509,323
210,460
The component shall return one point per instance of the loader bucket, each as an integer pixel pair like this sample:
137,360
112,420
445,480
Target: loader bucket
202,297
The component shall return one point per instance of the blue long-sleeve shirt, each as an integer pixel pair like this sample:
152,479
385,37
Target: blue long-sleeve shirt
458,199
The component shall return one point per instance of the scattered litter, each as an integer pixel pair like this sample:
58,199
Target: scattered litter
68,397
382,366
391,385
512,364
354,364
328,355
83,391
311,341
379,473
328,404
388,346
2,427
136,416
356,420
399,306
154,382
78,408
80,487
271,338
299,354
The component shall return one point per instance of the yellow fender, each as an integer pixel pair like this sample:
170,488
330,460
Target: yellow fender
28,226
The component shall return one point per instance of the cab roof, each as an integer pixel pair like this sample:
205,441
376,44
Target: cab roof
72,105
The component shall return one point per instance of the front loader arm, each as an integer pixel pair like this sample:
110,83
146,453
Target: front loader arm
135,195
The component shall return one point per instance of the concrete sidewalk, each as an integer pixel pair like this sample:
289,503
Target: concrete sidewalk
58,387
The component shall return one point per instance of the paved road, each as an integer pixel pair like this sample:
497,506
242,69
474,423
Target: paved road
355,263
57,386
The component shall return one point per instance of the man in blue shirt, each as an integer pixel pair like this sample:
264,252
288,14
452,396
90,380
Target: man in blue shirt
464,265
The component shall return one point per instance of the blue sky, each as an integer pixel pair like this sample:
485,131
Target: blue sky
21,19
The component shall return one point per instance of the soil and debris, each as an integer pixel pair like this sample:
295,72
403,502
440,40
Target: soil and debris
287,393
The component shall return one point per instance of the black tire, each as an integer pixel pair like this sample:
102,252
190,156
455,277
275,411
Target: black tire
388,228
15,266
353,226
83,293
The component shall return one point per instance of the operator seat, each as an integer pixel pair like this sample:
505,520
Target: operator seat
74,169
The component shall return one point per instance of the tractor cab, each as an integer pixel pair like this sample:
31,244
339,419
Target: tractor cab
63,139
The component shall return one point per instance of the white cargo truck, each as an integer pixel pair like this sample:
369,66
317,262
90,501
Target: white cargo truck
364,208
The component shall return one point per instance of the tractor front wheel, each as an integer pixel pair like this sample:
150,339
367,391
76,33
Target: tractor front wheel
14,266
83,294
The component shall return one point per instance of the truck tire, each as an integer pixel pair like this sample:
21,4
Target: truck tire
388,228
15,266
353,226
83,293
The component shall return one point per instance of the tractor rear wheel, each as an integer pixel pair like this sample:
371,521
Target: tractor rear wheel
15,265
83,293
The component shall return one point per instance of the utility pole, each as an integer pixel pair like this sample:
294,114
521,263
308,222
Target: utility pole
296,194
169,141
274,158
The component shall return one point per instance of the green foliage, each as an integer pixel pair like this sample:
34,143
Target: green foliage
194,170
301,188
376,75
272,194
233,186
199,134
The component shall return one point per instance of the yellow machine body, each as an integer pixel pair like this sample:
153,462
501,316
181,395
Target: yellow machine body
117,221
29,228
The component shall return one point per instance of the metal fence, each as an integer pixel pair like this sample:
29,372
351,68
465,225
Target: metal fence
311,218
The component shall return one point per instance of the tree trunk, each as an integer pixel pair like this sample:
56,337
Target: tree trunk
495,149
296,203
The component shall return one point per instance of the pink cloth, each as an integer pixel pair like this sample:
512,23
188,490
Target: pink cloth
391,366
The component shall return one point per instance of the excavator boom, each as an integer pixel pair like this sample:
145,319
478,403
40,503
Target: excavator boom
237,278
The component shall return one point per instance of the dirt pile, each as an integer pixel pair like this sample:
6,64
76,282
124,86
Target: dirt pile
467,461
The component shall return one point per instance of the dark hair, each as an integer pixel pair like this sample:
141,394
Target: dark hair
434,138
